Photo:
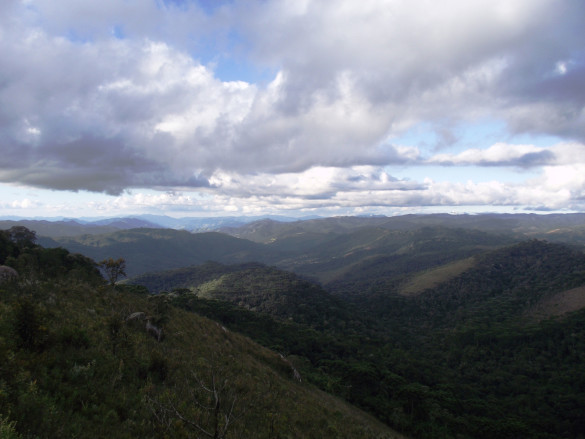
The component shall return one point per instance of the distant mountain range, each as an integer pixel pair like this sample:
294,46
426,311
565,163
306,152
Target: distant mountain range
340,252
519,224
270,227
60,226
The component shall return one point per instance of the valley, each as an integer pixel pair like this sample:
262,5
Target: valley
437,326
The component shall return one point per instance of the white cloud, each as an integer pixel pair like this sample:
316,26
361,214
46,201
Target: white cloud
524,156
500,154
569,153
22,204
569,178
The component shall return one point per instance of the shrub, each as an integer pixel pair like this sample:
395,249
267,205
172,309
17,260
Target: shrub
158,366
7,429
28,328
74,337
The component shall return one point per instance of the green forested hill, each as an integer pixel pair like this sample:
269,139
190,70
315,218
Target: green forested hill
354,262
349,262
497,285
82,359
148,250
258,288
474,337
461,358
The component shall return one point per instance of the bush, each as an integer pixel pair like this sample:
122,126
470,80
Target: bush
28,328
7,429
74,337
158,366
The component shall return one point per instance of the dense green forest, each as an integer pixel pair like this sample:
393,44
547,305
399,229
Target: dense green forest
465,358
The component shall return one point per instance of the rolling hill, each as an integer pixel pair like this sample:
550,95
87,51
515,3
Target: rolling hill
521,226
486,346
148,250
259,288
352,263
341,261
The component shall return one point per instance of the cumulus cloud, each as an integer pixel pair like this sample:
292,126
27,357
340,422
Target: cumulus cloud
521,156
151,111
500,154
414,59
115,96
20,204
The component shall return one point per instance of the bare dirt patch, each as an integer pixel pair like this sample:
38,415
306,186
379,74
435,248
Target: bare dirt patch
559,304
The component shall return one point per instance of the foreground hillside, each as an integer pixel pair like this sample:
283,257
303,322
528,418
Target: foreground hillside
82,359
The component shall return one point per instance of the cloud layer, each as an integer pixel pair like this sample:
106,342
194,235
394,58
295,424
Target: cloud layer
113,96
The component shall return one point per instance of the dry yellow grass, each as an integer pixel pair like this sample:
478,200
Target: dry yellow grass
435,276
559,304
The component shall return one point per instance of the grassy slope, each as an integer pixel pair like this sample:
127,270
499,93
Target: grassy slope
398,255
435,276
92,373
520,275
559,304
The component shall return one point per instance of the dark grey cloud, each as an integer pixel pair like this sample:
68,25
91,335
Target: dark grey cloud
92,164
533,159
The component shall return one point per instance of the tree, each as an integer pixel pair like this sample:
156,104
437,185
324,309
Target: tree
22,236
214,405
28,328
8,428
113,269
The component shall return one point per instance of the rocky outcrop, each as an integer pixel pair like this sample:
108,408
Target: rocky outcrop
7,273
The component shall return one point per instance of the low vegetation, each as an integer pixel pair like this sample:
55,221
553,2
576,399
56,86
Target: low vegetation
435,276
78,359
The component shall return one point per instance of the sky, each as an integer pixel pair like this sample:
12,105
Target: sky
291,107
